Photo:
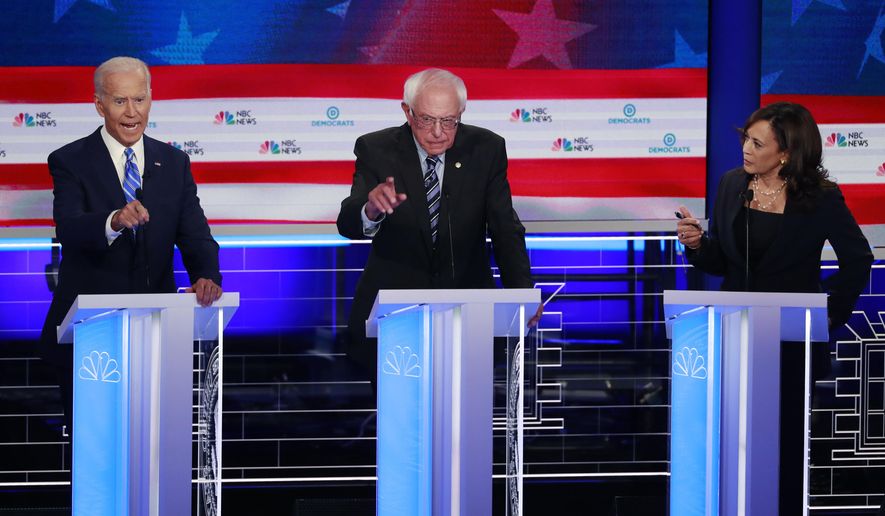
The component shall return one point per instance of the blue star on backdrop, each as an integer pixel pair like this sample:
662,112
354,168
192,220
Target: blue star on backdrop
62,6
799,7
768,81
187,49
684,56
874,41
339,10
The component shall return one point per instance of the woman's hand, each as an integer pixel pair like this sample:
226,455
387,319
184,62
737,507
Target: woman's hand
688,229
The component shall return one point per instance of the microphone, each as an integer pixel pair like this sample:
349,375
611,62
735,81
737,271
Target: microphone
451,230
747,195
142,233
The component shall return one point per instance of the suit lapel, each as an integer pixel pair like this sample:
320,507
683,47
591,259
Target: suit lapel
453,180
105,170
152,167
734,205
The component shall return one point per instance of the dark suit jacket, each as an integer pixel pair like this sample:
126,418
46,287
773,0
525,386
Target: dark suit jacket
476,201
792,263
86,190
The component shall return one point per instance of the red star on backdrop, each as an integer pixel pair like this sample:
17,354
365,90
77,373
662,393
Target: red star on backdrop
541,33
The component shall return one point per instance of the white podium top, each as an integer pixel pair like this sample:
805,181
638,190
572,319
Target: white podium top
506,300
88,306
792,306
673,299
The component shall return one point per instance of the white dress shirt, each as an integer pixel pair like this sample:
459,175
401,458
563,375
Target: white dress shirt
118,156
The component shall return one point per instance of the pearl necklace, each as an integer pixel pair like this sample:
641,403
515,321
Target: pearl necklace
773,194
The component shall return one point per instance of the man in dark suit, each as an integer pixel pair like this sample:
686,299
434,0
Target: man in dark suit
102,185
427,193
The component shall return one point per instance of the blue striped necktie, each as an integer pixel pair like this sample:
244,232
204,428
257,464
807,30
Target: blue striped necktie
432,189
131,179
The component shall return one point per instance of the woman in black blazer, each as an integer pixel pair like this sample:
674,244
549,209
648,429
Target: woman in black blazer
794,209
780,208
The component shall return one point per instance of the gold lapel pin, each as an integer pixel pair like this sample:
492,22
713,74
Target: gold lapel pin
457,164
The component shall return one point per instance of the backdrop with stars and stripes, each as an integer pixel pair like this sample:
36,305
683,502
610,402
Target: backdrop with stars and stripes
602,104
604,113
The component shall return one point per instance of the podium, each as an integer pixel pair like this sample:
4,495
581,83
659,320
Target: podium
133,401
725,391
435,397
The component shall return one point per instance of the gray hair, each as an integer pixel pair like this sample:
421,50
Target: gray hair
116,65
418,82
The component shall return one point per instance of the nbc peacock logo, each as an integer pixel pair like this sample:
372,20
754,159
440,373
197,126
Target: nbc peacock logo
561,144
224,118
881,170
535,115
23,120
402,361
175,144
520,115
836,140
269,147
689,362
99,367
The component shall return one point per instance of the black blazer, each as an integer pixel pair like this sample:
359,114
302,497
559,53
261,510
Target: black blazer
476,201
792,263
86,190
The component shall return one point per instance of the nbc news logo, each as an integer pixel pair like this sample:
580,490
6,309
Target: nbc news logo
851,139
40,119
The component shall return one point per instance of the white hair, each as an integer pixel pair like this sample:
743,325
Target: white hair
117,65
418,82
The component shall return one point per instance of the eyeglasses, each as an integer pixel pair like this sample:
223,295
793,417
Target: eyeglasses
426,122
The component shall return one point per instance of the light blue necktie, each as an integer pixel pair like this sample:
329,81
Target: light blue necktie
431,187
131,179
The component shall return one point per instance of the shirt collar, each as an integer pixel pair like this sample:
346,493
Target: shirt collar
116,148
423,155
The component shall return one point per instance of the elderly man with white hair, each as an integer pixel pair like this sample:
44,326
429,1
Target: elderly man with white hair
428,193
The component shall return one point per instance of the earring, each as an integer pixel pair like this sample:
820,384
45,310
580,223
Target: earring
783,162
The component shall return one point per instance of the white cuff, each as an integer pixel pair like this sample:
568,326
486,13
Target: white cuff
108,232
370,227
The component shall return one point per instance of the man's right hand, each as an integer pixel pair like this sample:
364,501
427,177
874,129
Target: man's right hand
132,215
383,199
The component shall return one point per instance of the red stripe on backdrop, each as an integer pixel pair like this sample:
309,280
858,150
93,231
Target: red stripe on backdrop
26,223
865,202
608,177
25,176
597,177
60,84
304,172
833,109
35,176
